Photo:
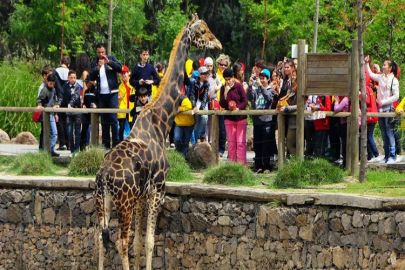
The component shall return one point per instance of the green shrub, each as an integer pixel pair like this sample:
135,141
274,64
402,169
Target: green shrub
308,173
19,82
230,173
33,164
179,168
87,163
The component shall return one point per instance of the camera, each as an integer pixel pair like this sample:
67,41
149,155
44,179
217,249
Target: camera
254,78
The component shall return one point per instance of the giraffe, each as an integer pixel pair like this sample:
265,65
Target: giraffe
134,172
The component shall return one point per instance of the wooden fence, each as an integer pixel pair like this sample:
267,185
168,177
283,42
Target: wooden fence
352,145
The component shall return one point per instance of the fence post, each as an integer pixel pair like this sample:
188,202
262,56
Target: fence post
215,137
94,129
281,139
302,58
354,119
47,131
348,154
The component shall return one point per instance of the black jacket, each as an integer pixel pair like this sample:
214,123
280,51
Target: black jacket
111,70
69,95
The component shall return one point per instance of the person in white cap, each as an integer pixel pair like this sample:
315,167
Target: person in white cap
199,99
215,85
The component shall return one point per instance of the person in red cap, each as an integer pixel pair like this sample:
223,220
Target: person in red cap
125,90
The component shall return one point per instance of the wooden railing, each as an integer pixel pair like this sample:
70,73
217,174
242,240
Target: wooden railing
94,135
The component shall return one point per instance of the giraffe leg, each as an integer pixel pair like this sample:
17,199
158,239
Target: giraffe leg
104,212
153,211
138,243
125,219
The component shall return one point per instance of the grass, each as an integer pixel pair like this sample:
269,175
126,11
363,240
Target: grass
19,83
231,174
307,173
179,169
379,183
33,164
87,163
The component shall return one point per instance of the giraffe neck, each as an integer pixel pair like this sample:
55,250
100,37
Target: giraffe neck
165,103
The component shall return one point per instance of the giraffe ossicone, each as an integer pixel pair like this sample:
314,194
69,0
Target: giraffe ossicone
135,171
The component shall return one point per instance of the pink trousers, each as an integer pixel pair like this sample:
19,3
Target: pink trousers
236,134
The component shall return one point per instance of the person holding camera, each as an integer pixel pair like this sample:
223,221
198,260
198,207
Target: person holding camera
104,70
261,98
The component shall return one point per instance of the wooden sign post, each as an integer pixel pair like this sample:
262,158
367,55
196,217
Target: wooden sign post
329,74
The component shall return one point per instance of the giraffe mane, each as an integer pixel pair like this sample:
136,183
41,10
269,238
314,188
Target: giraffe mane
165,78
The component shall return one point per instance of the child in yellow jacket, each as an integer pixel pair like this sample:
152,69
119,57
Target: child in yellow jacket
184,126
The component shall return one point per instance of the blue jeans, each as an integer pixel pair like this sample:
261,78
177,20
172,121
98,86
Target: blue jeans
200,125
109,120
182,137
388,137
372,150
54,132
76,120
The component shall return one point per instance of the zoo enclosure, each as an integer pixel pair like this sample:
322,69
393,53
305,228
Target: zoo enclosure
352,145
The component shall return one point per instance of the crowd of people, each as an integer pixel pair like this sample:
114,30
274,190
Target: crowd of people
217,85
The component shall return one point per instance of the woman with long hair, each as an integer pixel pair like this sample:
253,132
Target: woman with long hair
387,93
291,119
82,67
286,87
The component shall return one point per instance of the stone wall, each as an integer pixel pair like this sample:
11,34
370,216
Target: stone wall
42,229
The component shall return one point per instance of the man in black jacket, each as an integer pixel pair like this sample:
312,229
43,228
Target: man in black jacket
104,70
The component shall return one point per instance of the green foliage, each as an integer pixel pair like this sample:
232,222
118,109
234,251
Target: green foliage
179,168
33,164
85,24
170,21
87,163
308,173
230,173
19,83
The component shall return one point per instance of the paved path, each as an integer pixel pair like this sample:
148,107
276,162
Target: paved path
14,149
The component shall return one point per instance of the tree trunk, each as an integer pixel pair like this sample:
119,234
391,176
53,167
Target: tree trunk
63,29
392,23
363,148
316,26
265,27
110,21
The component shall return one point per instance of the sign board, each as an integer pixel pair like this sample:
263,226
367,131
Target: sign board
294,50
328,74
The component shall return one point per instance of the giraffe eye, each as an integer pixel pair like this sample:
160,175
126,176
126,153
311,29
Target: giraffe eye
203,32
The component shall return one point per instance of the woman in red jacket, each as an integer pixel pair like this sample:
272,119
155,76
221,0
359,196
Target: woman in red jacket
323,103
233,97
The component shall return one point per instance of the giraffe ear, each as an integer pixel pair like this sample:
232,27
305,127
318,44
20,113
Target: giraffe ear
196,25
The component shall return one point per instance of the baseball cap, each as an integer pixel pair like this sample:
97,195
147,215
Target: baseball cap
203,70
265,73
125,69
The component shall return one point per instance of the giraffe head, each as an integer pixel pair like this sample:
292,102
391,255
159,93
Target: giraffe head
201,36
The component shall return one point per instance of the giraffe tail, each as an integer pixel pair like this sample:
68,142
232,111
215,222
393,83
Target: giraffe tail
106,239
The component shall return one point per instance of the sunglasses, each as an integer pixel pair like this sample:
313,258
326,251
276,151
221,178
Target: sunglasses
223,65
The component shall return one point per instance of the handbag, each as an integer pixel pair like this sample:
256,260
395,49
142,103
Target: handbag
37,116
214,105
283,102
